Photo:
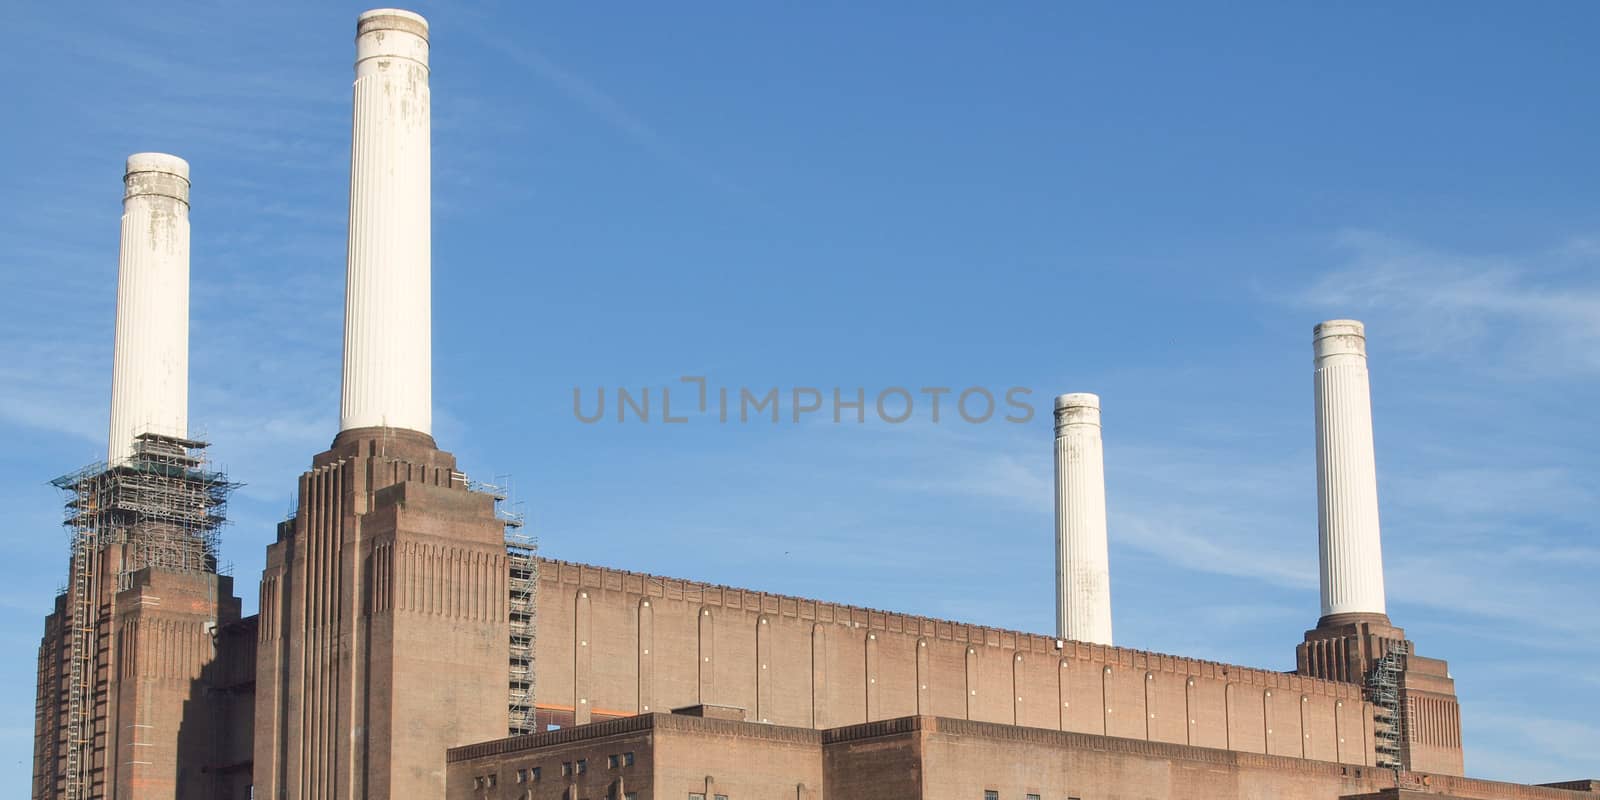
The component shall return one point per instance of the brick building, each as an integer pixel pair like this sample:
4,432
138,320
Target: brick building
406,647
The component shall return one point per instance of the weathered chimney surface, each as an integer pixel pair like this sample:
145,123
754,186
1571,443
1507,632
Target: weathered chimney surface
388,336
150,367
1083,574
1347,480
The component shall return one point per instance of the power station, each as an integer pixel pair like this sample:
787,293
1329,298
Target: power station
412,644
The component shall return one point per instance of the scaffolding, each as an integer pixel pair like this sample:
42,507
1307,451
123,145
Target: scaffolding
164,506
522,586
1388,706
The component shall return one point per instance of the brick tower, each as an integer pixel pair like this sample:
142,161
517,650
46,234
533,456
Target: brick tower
134,693
384,623
1418,722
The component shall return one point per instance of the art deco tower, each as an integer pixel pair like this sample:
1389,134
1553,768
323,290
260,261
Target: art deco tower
384,600
1418,723
133,680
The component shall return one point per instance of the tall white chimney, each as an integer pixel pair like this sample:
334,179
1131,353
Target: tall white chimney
388,331
1347,478
150,368
1083,571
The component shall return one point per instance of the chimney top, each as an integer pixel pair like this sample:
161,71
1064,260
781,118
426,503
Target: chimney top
1339,337
1077,400
386,33
156,174
1076,409
158,162
391,19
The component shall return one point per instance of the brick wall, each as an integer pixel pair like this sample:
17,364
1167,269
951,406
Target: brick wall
615,643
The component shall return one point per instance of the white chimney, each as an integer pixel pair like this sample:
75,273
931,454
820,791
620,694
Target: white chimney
150,368
388,332
1347,478
1083,571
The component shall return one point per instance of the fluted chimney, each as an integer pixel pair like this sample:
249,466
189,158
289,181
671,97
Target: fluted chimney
150,368
1083,573
1347,479
388,332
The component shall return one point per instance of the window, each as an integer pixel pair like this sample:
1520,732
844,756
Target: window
1033,797
583,765
696,796
722,797
630,796
477,782
627,759
492,780
522,776
534,773
613,760
566,768
990,794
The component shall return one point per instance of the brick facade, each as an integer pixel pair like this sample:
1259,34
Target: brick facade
674,757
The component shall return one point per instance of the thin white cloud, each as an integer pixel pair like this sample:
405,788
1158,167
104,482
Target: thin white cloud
597,101
1554,748
1533,313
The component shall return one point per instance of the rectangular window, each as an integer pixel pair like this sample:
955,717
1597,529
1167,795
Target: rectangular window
477,782
522,776
612,761
630,796
583,765
990,794
627,759
535,773
696,796
722,797
566,768
1033,797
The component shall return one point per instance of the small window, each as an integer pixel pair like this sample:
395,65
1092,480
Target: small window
696,796
477,782
492,780
1033,797
722,797
522,776
583,765
627,759
612,761
990,794
534,773
566,768
630,796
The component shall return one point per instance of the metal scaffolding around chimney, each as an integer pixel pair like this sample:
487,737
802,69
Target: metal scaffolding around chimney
522,587
164,506
1388,706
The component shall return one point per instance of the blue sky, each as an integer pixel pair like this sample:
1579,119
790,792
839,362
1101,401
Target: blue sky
1154,204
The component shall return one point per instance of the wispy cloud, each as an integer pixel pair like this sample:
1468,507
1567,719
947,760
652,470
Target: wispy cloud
1198,508
592,98
1535,313
1554,748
